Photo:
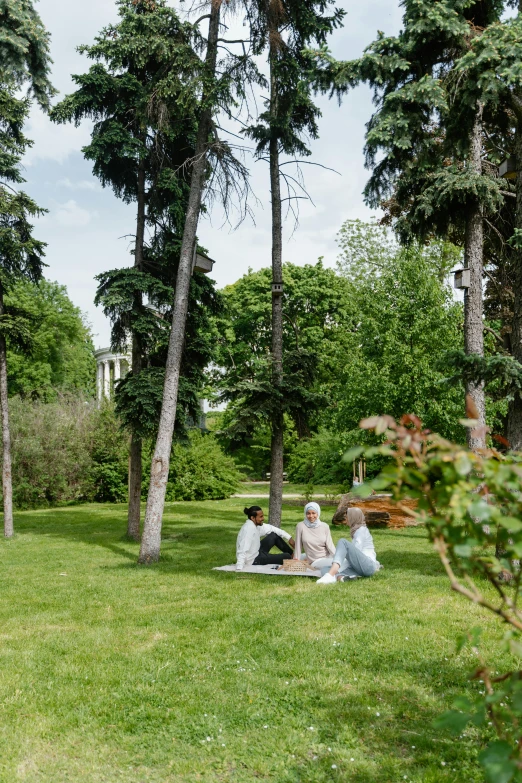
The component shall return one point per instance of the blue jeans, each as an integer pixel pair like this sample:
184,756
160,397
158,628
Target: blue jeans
352,561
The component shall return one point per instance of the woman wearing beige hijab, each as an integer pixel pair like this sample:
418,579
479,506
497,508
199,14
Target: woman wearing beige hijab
353,558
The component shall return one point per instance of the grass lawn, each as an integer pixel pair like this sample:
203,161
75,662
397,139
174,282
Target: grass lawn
289,488
113,672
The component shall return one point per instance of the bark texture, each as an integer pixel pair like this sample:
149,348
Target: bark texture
7,484
514,421
473,306
276,447
135,464
151,538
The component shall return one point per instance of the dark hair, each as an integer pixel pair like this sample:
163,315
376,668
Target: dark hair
252,511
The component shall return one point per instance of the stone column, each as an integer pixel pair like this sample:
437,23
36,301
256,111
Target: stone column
107,379
99,381
117,373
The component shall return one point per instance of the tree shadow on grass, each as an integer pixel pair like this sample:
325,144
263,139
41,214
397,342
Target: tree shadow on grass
189,547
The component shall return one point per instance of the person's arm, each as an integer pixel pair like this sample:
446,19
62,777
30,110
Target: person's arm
297,546
330,546
242,550
358,538
266,528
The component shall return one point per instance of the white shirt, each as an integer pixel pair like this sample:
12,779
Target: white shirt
363,540
249,541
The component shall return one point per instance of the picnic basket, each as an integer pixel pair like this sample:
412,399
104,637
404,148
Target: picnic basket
295,566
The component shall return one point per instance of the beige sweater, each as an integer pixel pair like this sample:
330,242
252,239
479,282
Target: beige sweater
316,541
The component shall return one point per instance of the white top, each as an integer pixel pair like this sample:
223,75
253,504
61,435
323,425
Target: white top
362,538
249,541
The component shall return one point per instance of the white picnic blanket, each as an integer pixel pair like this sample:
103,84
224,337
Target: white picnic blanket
271,570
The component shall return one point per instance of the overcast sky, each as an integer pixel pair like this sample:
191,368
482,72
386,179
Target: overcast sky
87,228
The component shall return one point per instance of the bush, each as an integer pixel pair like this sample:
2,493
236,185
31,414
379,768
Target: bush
471,505
109,448
51,451
198,470
66,451
71,451
316,460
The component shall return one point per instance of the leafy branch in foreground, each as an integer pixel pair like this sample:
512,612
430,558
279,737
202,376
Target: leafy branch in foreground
471,505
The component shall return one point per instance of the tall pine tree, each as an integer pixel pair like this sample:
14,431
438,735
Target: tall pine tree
427,166
142,138
284,29
24,63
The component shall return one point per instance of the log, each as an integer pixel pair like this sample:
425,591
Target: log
379,510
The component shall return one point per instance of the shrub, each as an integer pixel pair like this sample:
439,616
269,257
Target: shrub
51,454
198,470
471,504
71,451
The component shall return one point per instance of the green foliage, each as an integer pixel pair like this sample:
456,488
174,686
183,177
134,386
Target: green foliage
24,50
419,135
139,398
316,312
405,320
502,372
58,354
21,255
471,505
290,115
141,94
375,335
89,461
198,470
141,108
65,451
108,474
316,460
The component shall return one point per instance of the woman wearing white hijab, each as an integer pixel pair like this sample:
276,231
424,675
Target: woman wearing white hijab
315,538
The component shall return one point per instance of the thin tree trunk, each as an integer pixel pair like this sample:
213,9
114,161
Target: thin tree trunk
473,307
7,484
514,419
135,464
151,539
276,450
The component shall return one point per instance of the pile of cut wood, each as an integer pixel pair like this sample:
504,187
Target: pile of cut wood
379,510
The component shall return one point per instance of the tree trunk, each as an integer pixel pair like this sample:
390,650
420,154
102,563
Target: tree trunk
276,450
151,539
6,435
514,419
473,308
135,465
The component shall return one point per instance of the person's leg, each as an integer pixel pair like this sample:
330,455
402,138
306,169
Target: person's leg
340,557
265,558
359,564
271,540
322,564
348,562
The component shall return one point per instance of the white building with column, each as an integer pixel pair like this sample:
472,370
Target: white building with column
110,367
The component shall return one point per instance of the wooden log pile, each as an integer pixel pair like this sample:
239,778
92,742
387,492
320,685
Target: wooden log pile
379,510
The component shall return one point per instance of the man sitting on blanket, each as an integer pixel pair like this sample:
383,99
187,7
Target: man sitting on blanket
250,550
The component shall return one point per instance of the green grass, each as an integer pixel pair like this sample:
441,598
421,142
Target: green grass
113,672
289,488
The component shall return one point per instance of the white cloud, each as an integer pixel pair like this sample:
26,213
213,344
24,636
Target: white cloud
83,184
53,142
71,215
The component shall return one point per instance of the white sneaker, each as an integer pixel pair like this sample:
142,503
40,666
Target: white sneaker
327,579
